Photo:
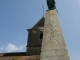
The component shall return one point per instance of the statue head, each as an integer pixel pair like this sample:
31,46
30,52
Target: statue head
51,4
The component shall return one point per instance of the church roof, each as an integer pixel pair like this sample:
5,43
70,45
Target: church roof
18,56
39,24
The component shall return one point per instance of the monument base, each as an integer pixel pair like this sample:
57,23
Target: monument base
53,44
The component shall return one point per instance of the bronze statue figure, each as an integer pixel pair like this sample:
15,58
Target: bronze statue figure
51,4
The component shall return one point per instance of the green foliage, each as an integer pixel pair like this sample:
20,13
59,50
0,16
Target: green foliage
16,58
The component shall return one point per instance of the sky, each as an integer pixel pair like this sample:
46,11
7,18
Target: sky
16,16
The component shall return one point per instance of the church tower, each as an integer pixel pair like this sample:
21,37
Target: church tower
35,35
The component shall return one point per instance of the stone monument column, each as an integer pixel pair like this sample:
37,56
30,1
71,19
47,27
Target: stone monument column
53,44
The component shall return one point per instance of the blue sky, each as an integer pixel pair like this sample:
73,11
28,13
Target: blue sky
16,16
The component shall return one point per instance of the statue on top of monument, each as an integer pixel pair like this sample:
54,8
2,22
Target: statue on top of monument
51,4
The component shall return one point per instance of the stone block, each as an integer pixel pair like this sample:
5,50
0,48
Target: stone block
63,57
56,52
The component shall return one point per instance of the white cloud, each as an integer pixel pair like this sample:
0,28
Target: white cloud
11,48
1,48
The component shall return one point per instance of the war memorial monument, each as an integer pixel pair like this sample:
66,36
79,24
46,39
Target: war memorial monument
53,43
45,39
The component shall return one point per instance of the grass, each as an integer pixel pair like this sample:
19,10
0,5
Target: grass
16,58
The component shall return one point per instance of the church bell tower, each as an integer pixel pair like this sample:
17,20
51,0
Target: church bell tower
35,35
